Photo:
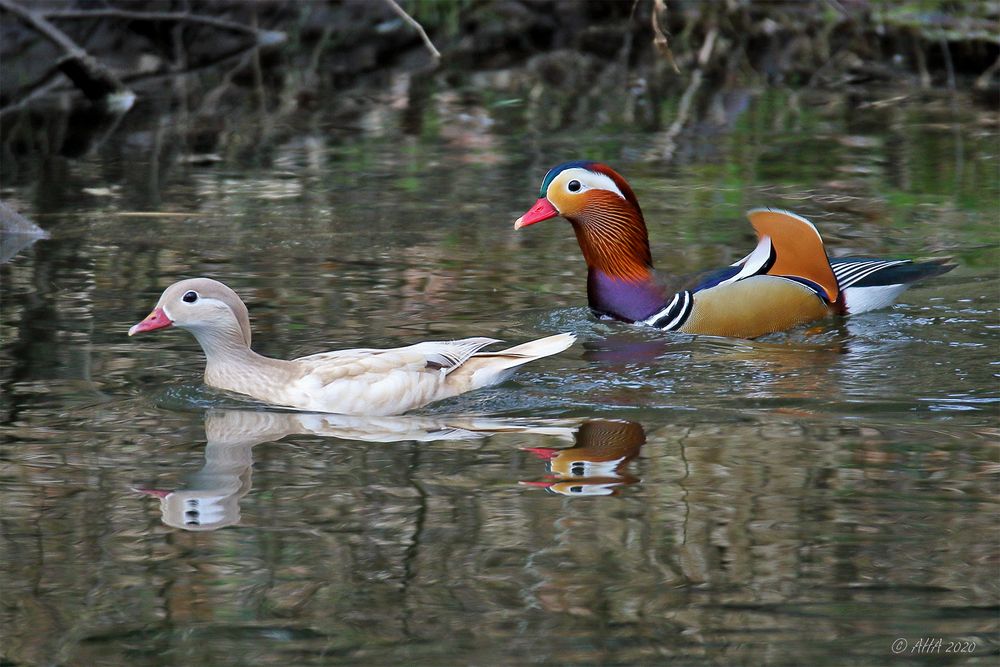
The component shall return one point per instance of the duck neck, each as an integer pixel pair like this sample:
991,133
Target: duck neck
231,364
620,279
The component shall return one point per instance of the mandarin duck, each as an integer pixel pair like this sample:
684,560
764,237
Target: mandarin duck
362,381
787,280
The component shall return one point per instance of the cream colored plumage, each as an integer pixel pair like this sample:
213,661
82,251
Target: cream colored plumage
361,381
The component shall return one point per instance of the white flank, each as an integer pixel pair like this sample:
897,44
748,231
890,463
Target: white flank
863,299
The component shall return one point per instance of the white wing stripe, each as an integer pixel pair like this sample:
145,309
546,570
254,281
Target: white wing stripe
843,270
683,314
856,272
842,267
754,262
652,319
677,312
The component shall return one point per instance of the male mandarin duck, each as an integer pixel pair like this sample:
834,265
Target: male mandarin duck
363,381
786,281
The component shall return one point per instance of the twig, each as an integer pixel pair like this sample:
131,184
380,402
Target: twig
684,108
918,51
839,8
94,79
983,80
222,24
949,67
42,26
706,48
419,28
659,36
48,83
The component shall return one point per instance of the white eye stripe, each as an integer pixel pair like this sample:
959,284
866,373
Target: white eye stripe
589,180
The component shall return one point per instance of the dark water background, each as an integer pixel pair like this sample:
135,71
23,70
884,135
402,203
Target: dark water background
807,498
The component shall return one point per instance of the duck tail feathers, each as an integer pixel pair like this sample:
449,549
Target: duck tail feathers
869,284
889,272
494,367
536,349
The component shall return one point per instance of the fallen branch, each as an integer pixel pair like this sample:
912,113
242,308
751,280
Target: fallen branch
419,28
175,17
49,84
90,76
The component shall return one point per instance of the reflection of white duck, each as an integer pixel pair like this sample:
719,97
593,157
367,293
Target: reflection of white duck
210,497
595,466
16,232
362,381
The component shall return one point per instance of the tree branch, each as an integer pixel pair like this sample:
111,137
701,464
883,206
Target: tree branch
222,24
41,25
659,36
684,108
90,76
419,28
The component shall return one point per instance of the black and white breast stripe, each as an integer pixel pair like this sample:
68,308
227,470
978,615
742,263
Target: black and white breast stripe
849,273
675,314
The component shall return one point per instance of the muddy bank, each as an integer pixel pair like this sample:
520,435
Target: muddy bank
228,80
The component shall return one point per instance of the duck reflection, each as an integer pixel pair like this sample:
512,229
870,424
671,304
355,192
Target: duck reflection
16,232
597,464
618,349
210,498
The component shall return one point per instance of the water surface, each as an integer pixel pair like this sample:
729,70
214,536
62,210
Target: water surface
807,498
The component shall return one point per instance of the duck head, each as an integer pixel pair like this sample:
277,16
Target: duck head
213,312
605,215
611,231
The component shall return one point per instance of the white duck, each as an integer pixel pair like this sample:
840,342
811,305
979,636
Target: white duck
363,381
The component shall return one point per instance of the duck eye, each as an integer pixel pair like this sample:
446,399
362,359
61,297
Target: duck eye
190,297
573,186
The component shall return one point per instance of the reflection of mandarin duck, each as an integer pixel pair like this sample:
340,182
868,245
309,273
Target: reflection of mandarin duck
617,349
786,281
595,466
210,498
364,381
